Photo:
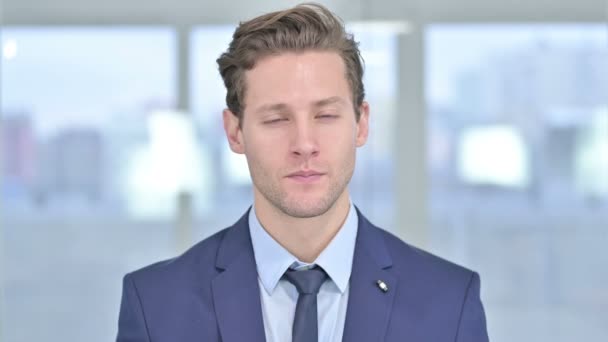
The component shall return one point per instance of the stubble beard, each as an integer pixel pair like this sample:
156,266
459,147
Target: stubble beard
297,207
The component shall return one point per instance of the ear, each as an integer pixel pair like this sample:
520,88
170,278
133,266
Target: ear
233,131
363,124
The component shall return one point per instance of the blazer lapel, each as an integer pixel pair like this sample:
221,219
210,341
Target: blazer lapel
236,293
369,307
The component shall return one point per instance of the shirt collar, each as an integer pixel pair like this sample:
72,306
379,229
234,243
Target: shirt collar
272,260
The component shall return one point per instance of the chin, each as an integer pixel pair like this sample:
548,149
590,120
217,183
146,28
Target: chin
303,212
306,207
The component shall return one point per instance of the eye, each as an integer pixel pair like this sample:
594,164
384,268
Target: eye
327,116
274,121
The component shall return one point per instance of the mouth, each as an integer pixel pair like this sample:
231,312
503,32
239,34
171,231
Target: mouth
306,176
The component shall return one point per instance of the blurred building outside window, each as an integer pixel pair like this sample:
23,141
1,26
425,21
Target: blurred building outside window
517,157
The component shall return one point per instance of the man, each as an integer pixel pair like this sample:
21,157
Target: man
303,264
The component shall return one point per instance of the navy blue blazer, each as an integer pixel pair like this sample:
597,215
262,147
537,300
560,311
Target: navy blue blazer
211,293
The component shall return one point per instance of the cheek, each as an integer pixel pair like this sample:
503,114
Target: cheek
264,156
268,147
340,140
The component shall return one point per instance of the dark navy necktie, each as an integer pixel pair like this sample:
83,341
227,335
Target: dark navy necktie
308,284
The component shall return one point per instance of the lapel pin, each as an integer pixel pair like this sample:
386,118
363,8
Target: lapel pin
382,285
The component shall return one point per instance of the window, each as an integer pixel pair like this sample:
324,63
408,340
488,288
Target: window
76,106
518,162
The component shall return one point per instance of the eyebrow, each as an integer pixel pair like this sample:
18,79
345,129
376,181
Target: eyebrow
328,101
284,106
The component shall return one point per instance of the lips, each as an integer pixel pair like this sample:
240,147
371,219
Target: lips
306,176
309,173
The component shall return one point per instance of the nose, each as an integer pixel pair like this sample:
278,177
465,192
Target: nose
304,142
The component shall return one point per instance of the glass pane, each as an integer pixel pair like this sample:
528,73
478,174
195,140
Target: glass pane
228,176
373,183
78,109
518,162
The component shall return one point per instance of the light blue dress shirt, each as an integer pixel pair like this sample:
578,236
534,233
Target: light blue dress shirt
279,297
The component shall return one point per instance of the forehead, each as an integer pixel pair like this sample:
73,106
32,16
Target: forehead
296,78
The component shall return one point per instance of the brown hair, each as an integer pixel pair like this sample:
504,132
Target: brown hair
307,26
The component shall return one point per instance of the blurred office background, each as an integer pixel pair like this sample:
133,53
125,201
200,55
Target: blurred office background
488,146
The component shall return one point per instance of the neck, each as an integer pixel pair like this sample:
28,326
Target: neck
305,238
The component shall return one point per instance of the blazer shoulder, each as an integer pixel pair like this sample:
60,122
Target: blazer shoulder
435,292
198,258
423,263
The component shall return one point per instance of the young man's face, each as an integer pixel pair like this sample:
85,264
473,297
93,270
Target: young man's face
299,131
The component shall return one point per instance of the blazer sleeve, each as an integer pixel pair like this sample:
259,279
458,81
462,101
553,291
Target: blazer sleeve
131,321
472,326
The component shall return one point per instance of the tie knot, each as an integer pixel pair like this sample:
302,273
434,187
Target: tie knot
307,282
